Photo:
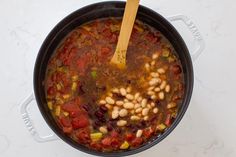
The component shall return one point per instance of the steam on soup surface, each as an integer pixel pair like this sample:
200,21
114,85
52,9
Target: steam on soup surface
105,108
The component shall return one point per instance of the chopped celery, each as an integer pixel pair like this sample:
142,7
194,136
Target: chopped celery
74,86
165,52
171,105
50,105
114,28
66,114
96,136
58,110
139,29
75,78
58,86
87,28
171,59
161,127
124,145
94,74
66,96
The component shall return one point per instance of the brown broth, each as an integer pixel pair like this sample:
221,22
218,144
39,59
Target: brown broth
79,75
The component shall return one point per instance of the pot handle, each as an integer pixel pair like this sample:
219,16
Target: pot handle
29,124
195,32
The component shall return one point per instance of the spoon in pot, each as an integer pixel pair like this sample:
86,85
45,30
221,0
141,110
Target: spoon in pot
119,57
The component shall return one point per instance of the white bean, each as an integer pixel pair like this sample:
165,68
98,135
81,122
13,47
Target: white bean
123,92
145,111
102,102
108,106
128,105
136,96
155,56
153,82
150,93
103,129
137,105
152,104
161,71
163,84
132,111
114,114
147,66
119,103
139,99
110,94
161,95
153,97
167,89
157,89
151,88
115,90
129,97
171,105
128,89
116,108
138,110
144,103
121,123
153,74
145,118
153,63
126,100
123,113
134,118
149,106
139,133
109,100
155,110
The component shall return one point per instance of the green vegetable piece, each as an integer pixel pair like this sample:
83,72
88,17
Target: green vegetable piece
124,145
165,52
96,136
161,127
94,74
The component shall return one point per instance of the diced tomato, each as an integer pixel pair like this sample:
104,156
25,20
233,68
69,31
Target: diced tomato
96,146
51,90
70,106
67,130
65,121
147,133
150,37
107,33
83,135
129,136
114,134
80,122
106,141
114,38
115,143
82,61
105,51
168,120
176,69
81,64
137,142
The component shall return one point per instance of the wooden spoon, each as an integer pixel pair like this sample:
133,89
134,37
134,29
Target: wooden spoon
119,57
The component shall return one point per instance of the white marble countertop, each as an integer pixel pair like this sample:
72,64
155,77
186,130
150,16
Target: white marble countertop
207,130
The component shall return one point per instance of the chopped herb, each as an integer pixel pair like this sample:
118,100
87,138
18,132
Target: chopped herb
94,74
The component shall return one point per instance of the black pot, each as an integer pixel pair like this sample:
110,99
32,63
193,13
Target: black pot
101,10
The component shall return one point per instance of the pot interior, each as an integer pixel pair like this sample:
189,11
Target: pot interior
103,10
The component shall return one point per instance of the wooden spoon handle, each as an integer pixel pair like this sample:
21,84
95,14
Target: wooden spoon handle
131,8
